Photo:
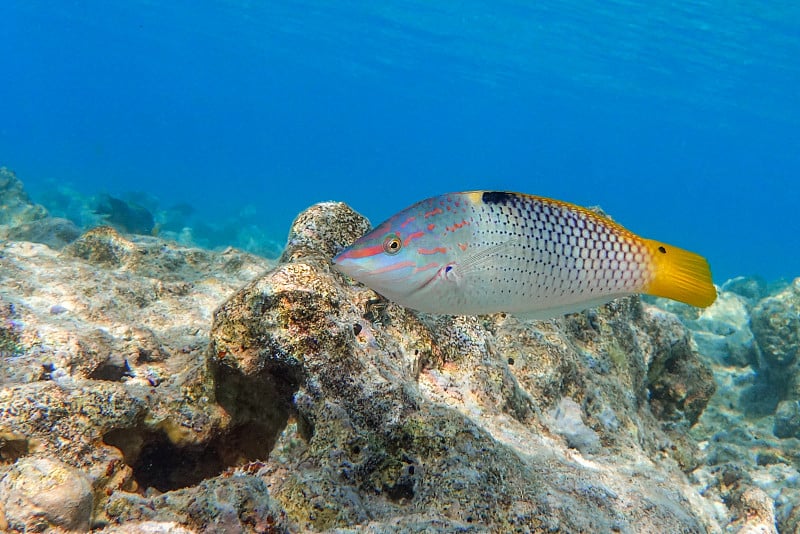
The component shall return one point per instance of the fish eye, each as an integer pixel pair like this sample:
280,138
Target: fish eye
392,244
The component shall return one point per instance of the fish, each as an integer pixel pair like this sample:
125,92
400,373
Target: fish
126,216
483,252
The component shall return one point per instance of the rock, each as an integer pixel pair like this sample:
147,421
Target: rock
787,507
37,494
568,422
752,288
15,206
102,246
722,331
114,384
146,527
10,329
206,391
746,434
54,232
237,502
776,326
756,512
324,229
787,419
680,384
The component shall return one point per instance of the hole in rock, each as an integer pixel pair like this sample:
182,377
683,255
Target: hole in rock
12,449
159,464
113,369
262,401
259,407
402,490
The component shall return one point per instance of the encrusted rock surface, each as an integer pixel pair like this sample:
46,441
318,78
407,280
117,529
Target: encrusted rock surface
776,327
748,433
193,391
54,232
102,365
15,206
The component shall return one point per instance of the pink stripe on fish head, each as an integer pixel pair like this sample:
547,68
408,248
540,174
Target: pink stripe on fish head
432,234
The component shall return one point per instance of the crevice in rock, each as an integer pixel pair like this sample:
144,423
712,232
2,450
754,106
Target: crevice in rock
114,369
158,463
12,449
262,402
259,407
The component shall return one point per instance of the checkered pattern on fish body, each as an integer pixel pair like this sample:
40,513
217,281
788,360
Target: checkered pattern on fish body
555,253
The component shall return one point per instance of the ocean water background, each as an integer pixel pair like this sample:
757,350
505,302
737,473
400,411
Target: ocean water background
681,119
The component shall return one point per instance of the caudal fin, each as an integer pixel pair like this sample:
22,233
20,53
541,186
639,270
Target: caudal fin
680,275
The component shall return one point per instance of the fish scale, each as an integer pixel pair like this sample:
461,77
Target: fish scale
487,251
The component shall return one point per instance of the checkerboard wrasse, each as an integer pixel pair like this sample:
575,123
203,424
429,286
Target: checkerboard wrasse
482,252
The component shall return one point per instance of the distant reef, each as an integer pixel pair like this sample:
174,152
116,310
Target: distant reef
64,213
151,386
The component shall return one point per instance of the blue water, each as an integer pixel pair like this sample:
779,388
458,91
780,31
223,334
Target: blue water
681,119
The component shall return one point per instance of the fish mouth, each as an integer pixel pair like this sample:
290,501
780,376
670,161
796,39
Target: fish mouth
385,279
345,265
353,271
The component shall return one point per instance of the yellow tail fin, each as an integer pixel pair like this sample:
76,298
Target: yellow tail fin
680,275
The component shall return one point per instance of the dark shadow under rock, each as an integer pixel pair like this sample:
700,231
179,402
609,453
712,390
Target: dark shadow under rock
259,407
13,447
160,464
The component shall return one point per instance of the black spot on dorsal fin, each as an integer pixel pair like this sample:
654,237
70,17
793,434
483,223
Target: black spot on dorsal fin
497,197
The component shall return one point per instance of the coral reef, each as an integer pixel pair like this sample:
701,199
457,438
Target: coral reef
159,388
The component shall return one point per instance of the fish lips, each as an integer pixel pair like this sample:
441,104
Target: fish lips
384,278
346,265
